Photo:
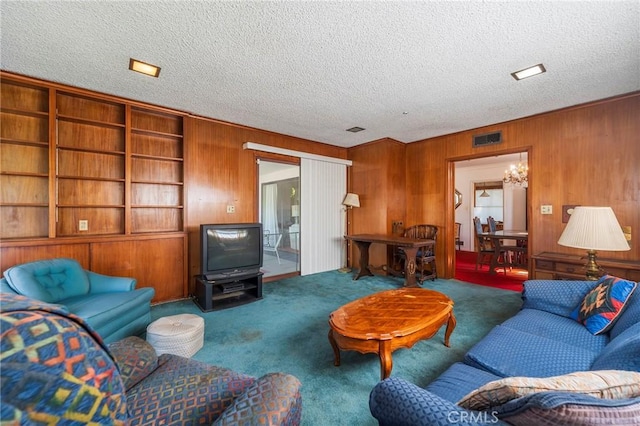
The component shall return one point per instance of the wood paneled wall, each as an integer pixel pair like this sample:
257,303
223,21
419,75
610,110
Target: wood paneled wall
584,155
378,177
219,172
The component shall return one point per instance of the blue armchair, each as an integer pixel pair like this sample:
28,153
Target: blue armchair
111,305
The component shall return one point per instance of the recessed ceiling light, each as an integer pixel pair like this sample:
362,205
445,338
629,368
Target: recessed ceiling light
355,129
529,72
143,67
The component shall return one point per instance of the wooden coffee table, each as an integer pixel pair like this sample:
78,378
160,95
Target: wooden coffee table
383,322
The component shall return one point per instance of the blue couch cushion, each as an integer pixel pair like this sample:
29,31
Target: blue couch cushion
555,327
458,380
49,280
555,296
622,353
509,352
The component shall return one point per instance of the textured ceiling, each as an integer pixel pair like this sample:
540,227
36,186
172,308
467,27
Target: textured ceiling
404,70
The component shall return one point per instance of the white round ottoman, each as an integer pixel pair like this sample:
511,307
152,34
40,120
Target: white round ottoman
177,334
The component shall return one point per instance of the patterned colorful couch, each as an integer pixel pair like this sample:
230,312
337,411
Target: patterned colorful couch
113,306
541,366
56,370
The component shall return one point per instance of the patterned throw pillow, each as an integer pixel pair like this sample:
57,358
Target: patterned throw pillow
602,305
608,384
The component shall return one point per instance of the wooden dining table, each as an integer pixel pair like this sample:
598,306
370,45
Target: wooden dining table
518,252
409,245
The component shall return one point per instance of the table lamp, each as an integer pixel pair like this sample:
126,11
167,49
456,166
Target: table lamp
593,228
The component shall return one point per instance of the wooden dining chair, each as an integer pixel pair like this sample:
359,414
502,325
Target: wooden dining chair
458,241
493,227
484,247
492,224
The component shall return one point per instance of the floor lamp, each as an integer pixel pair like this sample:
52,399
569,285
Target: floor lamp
350,201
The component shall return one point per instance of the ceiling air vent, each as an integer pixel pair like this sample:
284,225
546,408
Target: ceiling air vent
487,139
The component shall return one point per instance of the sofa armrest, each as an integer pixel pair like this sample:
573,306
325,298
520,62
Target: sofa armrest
396,402
99,283
558,297
274,399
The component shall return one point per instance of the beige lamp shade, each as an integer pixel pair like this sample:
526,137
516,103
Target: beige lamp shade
351,200
594,228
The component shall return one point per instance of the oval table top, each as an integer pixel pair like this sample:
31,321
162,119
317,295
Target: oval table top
391,313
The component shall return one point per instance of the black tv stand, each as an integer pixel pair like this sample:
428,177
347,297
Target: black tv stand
227,292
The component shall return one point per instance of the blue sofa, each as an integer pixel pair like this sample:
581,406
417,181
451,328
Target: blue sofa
56,370
542,343
111,305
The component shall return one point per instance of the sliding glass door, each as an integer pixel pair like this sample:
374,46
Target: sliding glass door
280,217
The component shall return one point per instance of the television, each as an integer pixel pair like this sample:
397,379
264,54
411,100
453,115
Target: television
230,249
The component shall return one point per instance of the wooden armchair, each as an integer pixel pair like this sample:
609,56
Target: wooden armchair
426,257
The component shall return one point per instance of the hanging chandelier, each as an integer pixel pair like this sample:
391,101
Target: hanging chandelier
517,174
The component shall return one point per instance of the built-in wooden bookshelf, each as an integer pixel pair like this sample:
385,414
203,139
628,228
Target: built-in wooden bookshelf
111,168
157,175
90,159
24,161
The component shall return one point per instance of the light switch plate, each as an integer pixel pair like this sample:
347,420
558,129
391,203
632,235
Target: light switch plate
546,209
83,225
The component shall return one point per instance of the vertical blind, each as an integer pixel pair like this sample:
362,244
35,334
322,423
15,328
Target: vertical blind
323,186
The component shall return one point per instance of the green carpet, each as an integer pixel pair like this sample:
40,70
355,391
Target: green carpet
287,331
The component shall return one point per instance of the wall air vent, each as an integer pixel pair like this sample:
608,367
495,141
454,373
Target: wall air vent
487,139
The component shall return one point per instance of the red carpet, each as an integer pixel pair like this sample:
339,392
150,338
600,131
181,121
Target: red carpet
466,271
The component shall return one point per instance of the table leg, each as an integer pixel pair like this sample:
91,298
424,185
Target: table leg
363,246
451,325
410,266
336,349
386,362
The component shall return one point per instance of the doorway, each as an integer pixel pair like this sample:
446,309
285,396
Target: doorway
472,178
279,212
480,192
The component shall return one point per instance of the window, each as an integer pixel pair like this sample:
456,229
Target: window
488,201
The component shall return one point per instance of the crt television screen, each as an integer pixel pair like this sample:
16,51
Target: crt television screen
233,248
